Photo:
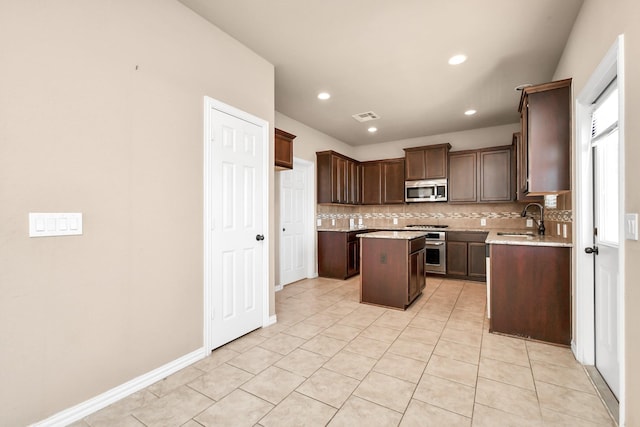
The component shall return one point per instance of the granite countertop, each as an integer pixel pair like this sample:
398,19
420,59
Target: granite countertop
493,238
535,240
401,235
391,228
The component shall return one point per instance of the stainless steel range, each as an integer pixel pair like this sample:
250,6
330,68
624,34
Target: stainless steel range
436,247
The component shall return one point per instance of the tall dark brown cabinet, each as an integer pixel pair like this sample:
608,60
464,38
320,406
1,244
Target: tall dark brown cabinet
544,161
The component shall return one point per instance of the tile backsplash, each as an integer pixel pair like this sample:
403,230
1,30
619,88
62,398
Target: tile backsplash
503,215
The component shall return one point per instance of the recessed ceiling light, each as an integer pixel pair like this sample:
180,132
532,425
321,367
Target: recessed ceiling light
457,59
373,129
470,112
324,95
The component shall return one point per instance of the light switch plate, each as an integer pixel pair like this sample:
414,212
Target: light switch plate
529,222
333,221
54,224
318,222
631,226
395,221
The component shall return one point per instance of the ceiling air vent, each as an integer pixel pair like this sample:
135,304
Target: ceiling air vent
365,117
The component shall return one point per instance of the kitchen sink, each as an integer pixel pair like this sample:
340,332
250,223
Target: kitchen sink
515,233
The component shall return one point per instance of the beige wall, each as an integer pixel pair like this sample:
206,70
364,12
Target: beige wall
309,140
465,140
81,130
595,30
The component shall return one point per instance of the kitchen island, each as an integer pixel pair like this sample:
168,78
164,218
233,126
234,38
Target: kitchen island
392,267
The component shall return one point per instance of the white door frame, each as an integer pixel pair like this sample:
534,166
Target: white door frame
583,344
310,217
210,103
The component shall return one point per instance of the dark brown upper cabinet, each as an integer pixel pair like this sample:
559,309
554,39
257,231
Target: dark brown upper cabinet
428,162
371,183
392,181
482,176
383,182
338,178
544,162
521,174
283,143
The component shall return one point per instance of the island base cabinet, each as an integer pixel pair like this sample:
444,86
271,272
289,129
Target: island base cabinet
391,271
531,292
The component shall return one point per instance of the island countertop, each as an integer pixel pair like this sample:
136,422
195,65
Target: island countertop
399,235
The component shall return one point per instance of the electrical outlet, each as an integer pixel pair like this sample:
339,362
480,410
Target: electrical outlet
359,221
395,221
333,221
529,222
483,222
319,222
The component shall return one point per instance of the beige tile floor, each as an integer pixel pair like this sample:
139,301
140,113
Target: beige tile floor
332,361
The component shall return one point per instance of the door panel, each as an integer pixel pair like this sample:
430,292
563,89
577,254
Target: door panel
236,206
293,197
606,240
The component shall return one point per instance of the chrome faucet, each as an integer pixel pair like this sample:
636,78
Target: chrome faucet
541,222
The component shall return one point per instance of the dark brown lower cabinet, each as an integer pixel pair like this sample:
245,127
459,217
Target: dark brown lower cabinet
338,254
391,271
466,255
531,292
353,256
416,273
457,258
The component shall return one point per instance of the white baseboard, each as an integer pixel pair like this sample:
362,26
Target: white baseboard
279,288
105,399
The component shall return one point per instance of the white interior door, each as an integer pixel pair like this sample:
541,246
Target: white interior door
235,195
606,238
293,244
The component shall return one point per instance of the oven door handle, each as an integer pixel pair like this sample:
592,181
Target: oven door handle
434,243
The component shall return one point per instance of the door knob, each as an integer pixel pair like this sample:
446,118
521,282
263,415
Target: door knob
259,237
593,250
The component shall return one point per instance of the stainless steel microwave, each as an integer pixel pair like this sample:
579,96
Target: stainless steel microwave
425,191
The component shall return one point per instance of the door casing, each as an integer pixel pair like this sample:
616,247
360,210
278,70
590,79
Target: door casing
583,342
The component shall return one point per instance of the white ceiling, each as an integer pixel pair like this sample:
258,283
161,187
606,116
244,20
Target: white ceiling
390,57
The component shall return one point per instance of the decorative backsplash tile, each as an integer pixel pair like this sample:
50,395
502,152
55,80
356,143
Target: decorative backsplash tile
550,215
